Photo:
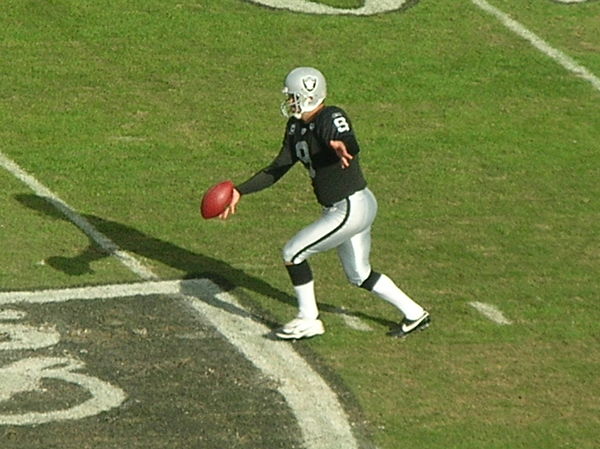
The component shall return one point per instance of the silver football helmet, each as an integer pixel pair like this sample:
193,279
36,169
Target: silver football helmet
304,89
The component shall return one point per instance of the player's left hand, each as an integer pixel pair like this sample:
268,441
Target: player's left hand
340,148
230,210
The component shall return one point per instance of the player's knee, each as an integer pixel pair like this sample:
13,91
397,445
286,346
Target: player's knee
356,281
291,256
287,257
354,278
359,279
369,282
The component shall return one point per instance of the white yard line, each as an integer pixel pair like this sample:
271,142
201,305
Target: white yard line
488,310
491,312
566,61
320,416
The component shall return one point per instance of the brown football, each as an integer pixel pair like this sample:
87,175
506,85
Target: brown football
216,199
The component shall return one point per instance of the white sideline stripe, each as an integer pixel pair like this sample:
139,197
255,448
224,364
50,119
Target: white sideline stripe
103,241
491,312
566,61
322,420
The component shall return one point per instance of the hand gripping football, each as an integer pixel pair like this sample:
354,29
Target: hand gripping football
216,199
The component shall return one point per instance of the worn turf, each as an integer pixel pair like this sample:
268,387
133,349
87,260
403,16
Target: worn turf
483,153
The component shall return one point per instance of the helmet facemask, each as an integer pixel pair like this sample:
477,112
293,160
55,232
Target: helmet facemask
291,107
296,104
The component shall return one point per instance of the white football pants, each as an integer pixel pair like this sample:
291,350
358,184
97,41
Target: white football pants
345,226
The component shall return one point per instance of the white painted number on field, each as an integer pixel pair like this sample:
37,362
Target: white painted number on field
19,336
369,8
27,375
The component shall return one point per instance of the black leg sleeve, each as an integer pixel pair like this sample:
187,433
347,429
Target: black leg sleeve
300,274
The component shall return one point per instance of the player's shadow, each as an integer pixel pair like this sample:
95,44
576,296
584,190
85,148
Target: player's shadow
194,265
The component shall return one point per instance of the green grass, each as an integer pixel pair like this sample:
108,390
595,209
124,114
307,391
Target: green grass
483,153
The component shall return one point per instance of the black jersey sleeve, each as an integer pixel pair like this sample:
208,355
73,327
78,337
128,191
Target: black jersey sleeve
336,125
271,173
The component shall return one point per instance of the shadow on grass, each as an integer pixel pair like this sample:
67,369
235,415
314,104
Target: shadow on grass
195,266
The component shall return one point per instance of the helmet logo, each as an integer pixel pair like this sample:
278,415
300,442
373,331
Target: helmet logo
309,83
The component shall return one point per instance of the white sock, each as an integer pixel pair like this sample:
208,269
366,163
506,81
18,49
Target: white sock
307,303
386,289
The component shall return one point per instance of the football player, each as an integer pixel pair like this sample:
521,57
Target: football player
322,138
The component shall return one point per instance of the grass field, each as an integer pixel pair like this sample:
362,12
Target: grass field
483,151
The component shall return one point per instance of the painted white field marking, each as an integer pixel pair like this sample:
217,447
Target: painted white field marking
27,375
287,368
324,423
566,61
22,336
11,315
491,312
369,7
290,372
144,288
129,289
353,322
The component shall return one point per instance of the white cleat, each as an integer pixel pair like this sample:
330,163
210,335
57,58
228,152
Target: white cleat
300,328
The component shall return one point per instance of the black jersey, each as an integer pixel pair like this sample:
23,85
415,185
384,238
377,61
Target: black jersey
309,144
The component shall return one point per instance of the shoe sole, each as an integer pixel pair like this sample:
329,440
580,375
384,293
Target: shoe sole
298,336
283,336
